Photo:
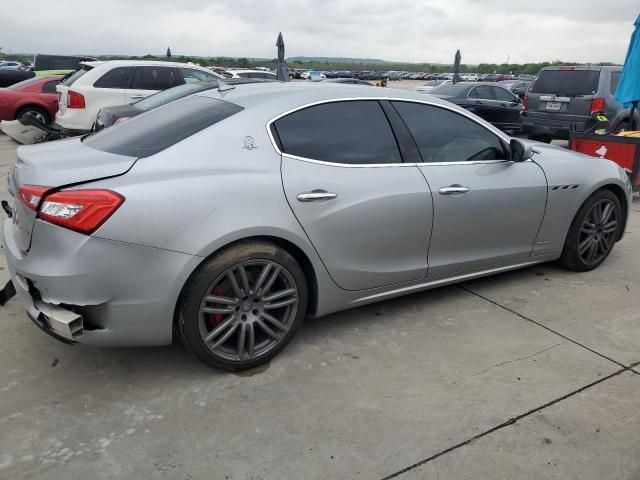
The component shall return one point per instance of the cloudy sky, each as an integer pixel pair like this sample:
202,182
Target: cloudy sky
398,30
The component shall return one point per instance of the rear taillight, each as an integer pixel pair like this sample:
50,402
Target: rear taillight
597,105
80,210
31,195
75,100
524,103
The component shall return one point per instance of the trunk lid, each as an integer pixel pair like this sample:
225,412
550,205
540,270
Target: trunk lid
56,165
564,91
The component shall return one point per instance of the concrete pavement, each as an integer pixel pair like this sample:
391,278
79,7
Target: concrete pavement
528,374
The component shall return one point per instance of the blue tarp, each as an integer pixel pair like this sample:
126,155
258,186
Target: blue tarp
628,90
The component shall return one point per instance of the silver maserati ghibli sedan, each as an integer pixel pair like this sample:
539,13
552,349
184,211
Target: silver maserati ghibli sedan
225,218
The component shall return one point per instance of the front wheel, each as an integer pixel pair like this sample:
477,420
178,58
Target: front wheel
243,306
593,232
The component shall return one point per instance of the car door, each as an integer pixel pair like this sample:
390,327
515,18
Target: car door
507,109
481,101
487,209
366,212
148,80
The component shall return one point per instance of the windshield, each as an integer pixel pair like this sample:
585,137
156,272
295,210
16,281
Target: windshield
450,89
433,83
568,83
158,129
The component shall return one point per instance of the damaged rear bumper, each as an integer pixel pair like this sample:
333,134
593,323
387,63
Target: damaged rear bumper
94,291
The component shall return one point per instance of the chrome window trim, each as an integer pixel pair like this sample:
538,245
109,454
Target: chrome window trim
464,113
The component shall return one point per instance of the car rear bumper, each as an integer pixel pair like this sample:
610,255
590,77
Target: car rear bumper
122,294
71,132
555,126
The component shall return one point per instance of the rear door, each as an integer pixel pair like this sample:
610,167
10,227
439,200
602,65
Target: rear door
148,80
366,213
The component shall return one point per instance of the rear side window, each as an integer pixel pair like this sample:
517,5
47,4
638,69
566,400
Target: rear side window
566,83
160,128
50,87
114,78
352,132
445,136
484,92
154,78
615,78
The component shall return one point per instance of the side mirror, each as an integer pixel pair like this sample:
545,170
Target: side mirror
520,151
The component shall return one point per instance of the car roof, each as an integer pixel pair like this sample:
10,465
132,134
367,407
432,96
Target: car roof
140,63
274,98
570,68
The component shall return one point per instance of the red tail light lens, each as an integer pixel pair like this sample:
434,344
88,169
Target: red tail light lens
597,105
524,103
75,100
82,211
31,195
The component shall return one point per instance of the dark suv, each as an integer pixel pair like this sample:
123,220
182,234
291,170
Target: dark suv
564,99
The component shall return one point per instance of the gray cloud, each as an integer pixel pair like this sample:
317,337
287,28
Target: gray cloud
402,30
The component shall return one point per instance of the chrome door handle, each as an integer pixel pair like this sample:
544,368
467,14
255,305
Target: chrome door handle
316,196
139,96
453,190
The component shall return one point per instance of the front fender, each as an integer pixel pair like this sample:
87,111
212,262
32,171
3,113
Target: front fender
571,179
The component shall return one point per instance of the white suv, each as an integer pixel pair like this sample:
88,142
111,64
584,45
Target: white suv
106,84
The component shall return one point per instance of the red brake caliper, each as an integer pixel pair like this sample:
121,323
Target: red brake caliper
216,318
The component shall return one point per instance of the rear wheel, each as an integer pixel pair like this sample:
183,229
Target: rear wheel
243,306
593,232
39,113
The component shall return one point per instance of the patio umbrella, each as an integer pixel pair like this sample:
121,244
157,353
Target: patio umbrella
628,91
282,72
456,67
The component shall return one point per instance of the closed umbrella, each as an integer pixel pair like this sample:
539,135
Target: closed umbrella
628,91
456,67
282,72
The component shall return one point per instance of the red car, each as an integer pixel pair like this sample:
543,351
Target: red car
36,95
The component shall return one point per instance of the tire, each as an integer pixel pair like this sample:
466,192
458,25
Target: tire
574,257
214,314
36,111
623,126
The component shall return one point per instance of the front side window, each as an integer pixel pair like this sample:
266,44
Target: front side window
504,95
114,78
191,75
350,132
154,78
446,136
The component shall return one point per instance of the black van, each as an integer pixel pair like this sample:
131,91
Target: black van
58,62
562,99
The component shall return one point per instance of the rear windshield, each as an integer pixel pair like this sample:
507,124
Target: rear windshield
24,83
175,93
158,129
75,76
566,83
